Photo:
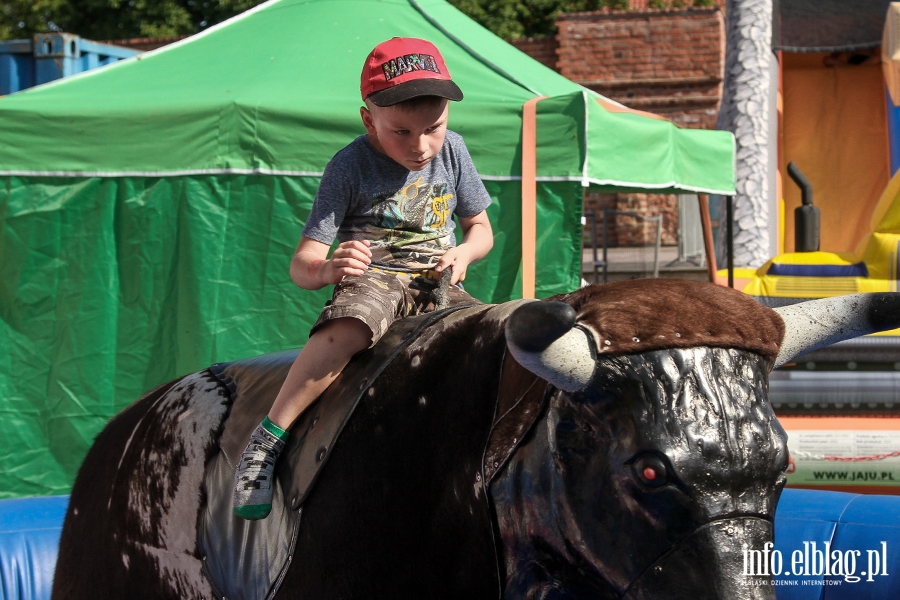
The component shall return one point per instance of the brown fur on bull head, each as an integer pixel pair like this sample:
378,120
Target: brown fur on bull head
660,431
631,317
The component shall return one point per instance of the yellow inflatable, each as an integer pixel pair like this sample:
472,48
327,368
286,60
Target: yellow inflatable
796,276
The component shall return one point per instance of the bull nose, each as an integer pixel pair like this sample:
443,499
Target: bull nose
709,565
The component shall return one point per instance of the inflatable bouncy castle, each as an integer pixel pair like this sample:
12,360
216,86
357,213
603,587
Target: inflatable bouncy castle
838,233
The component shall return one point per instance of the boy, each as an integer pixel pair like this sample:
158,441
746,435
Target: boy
389,198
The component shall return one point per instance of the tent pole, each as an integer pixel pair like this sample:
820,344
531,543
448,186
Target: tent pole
529,196
707,236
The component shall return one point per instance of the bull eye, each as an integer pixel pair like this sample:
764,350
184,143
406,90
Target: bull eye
650,470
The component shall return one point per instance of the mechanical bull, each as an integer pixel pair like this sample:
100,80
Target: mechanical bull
616,442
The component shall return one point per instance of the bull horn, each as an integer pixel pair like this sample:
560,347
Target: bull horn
817,323
542,338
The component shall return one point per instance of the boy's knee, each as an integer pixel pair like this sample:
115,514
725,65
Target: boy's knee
348,332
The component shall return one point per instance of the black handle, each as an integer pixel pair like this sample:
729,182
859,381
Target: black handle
441,294
802,182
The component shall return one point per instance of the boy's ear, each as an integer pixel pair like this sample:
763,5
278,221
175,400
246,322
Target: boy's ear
367,119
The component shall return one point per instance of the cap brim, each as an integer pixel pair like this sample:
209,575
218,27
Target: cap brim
419,87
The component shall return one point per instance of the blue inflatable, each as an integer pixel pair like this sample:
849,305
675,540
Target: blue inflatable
29,541
829,546
836,546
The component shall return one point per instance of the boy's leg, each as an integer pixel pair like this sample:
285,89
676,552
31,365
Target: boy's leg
319,363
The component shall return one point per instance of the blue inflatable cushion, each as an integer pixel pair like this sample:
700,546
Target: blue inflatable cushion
29,542
854,270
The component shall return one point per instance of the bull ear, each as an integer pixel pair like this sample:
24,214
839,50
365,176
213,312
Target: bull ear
541,337
817,323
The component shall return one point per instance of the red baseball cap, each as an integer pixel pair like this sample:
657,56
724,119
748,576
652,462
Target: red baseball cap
403,68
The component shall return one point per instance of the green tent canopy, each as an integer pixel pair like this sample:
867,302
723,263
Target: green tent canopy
149,210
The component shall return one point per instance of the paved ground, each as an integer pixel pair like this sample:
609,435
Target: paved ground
633,263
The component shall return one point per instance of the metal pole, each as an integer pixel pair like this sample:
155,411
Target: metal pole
594,243
729,218
605,263
656,248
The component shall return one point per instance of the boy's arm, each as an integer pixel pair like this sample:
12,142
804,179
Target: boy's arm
311,271
478,239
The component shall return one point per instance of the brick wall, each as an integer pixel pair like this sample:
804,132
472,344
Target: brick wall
542,49
669,62
146,44
647,4
665,61
628,231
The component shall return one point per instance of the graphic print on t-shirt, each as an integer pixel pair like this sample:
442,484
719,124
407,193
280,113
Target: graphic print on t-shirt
406,216
404,220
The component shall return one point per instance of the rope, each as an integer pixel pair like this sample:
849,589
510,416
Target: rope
811,456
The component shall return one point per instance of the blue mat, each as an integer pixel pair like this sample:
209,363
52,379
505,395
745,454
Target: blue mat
860,528
29,540
863,530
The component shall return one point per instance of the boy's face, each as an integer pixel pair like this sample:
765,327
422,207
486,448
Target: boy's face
411,137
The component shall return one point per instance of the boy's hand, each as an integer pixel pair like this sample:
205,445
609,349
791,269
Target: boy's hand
477,240
459,258
311,271
349,258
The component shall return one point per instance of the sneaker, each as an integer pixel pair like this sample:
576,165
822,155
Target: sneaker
254,479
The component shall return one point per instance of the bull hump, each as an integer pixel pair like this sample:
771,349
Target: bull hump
629,317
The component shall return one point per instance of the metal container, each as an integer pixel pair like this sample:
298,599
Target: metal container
50,56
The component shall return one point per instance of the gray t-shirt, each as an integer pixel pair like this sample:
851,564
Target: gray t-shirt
407,215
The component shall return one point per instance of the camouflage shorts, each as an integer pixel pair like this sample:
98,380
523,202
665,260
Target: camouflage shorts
378,299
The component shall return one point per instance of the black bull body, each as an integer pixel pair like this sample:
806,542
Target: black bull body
634,455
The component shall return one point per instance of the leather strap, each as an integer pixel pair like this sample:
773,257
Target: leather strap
615,107
521,399
317,430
